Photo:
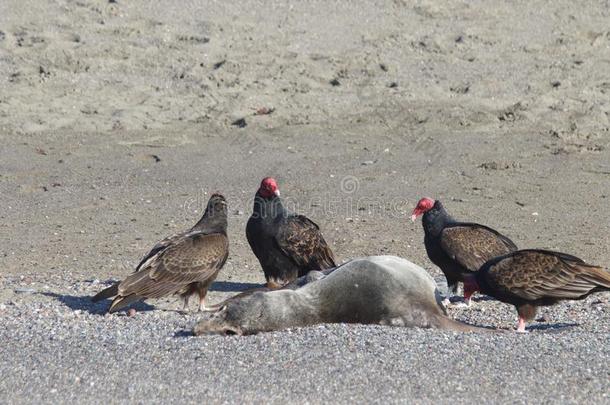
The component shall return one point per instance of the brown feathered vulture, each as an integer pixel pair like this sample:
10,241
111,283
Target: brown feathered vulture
458,248
287,245
530,278
183,264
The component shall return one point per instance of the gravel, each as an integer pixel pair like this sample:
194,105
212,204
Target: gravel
60,347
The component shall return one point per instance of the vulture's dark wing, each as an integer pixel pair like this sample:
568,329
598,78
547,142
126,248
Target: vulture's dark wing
300,239
194,258
536,274
159,246
253,234
471,245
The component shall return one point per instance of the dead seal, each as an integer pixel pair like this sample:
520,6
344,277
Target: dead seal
385,290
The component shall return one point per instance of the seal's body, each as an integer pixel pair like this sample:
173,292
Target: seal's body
384,290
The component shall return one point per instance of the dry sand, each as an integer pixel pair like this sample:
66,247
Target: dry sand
117,119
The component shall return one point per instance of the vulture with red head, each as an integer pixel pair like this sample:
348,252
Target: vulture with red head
287,245
458,248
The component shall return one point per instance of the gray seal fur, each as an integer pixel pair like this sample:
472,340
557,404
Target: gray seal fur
386,290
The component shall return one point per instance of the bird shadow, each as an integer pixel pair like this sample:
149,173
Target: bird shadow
460,300
84,303
481,298
552,327
232,286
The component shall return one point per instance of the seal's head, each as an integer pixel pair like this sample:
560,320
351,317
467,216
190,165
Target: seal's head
236,317
424,205
219,324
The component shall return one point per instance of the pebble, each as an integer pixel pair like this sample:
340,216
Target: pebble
23,290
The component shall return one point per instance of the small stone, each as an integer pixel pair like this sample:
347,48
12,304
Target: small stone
131,312
264,111
22,290
240,123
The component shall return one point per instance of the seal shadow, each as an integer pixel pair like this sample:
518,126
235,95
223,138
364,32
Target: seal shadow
84,303
184,333
232,286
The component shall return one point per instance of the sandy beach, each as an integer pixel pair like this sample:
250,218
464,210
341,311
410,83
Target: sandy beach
118,120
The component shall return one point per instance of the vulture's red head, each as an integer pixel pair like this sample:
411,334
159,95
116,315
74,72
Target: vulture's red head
424,205
269,188
470,286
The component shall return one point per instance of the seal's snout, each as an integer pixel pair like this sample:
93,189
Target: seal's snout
214,327
207,327
200,328
232,332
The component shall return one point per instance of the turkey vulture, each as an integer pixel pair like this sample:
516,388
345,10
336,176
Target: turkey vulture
287,245
458,248
184,264
530,278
